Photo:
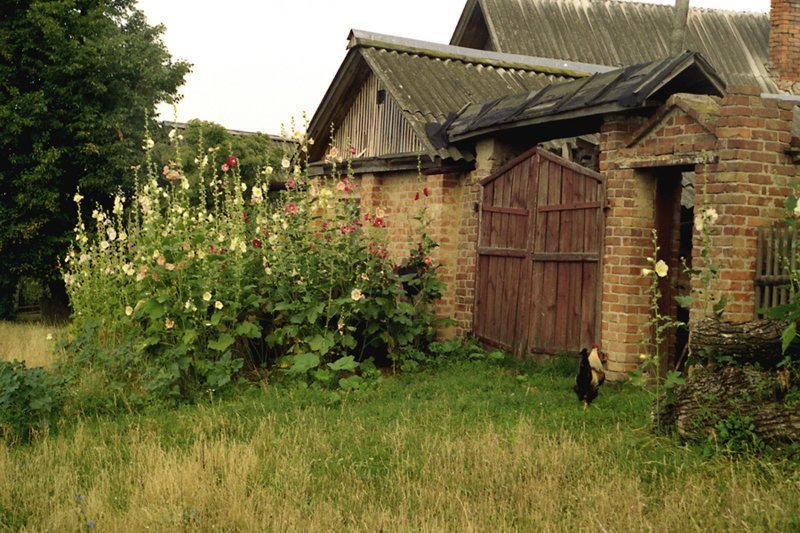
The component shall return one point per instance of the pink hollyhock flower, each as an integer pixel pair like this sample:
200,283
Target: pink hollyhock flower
291,183
224,167
291,208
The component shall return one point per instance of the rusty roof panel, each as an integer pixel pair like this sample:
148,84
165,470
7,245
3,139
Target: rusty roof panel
616,33
431,82
623,90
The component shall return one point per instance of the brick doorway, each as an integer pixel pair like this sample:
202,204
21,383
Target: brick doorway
673,221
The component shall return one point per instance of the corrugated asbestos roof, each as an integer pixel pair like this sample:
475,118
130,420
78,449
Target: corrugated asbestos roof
615,33
622,90
432,81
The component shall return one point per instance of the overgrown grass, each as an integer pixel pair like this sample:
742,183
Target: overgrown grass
469,446
28,341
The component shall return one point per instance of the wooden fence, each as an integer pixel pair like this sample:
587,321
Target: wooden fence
776,257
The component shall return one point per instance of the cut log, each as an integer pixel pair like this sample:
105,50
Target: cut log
709,396
757,341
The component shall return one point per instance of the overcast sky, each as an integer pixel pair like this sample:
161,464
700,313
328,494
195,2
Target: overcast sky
258,63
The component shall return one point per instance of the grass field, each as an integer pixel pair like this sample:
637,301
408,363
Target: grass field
27,341
469,446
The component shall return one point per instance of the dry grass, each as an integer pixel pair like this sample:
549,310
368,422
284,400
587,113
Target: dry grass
467,449
289,478
27,341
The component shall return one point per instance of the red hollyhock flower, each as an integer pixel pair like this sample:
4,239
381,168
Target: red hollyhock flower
416,197
256,243
232,161
426,192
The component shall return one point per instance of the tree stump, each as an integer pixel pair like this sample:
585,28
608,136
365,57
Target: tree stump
757,341
767,399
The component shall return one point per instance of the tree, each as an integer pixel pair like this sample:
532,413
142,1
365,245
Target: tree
254,151
79,81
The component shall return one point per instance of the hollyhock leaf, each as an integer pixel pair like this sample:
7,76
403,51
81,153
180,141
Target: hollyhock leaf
222,343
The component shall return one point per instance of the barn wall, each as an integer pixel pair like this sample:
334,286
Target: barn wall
404,196
629,221
377,129
741,171
747,188
490,156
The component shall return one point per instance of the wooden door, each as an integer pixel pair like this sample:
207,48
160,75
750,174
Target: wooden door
539,250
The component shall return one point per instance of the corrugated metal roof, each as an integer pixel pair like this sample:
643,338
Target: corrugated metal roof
431,81
623,33
622,90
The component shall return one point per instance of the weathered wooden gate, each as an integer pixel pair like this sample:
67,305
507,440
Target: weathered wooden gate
539,251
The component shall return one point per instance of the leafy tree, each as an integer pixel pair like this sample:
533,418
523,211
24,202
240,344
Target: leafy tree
254,152
78,81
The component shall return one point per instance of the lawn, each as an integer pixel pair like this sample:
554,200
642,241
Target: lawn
464,446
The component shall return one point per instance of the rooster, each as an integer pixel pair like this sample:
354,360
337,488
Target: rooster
590,375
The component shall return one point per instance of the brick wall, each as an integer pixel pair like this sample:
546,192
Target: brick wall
747,187
736,147
629,221
402,196
784,41
490,156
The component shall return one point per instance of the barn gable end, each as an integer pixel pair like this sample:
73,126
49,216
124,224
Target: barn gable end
683,131
374,125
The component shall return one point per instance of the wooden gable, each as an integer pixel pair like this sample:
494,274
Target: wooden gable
375,126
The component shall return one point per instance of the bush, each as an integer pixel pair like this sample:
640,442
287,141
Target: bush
31,400
183,289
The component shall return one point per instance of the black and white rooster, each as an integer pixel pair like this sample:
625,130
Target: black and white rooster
590,375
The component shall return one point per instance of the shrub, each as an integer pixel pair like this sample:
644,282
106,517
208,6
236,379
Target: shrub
30,400
179,291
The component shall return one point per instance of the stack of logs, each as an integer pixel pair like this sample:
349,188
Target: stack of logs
746,383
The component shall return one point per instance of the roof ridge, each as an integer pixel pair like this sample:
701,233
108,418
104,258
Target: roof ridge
671,6
575,69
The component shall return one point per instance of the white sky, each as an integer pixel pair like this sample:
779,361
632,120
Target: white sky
257,63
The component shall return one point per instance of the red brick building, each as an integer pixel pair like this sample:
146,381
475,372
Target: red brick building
722,126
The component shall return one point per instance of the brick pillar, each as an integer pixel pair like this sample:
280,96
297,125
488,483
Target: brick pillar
627,244
747,188
490,155
442,205
784,41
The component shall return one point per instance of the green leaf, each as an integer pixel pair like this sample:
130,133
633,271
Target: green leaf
216,317
321,344
684,301
249,330
673,379
189,336
304,362
347,362
496,355
323,375
719,307
351,382
222,343
313,313
788,336
153,309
